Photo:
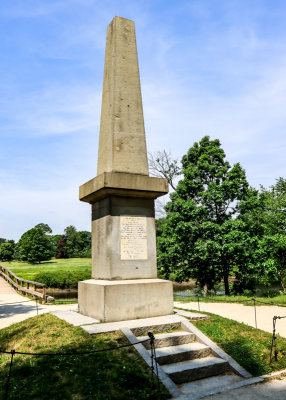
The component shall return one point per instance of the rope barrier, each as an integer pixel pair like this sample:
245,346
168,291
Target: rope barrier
153,358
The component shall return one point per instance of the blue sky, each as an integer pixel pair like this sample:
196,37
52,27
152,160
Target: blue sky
208,67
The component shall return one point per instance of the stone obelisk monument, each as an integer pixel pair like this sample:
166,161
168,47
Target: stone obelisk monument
124,282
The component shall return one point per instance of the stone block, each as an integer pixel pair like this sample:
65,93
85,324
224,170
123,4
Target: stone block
110,301
122,184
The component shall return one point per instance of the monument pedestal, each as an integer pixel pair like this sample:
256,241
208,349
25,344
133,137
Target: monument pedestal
121,300
124,282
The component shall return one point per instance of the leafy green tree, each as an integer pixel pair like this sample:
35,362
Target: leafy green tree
200,237
7,250
44,227
35,246
264,215
84,244
71,241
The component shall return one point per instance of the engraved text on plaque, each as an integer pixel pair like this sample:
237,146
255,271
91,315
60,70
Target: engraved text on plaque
133,238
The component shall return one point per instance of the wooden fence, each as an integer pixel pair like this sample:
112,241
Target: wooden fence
24,285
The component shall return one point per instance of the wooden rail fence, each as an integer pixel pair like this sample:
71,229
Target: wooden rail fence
24,285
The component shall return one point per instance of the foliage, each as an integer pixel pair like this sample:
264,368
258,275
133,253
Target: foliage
264,215
200,238
119,374
78,244
7,251
62,279
35,245
61,243
44,227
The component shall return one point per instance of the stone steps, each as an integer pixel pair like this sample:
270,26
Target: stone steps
170,339
207,384
192,370
182,352
191,362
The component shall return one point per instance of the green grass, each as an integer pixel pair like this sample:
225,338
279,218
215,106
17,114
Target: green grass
281,299
118,374
29,271
250,347
57,273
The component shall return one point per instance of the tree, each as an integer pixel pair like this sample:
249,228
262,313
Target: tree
7,250
200,237
71,241
35,246
162,165
61,247
84,244
44,227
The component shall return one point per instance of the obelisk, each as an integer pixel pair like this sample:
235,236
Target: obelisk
124,282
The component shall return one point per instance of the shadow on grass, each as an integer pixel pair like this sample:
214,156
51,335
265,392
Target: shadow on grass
116,374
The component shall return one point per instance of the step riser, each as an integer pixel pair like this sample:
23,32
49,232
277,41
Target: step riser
199,373
143,331
171,341
187,355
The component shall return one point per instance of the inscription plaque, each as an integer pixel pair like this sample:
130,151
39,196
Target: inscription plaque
133,238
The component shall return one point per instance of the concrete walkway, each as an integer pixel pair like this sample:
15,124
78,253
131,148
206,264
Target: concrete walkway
273,389
245,314
17,308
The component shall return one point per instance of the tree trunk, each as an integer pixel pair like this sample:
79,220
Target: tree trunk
226,284
281,281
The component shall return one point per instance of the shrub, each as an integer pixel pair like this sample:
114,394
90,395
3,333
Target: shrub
61,279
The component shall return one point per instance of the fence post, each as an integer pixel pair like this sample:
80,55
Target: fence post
9,375
199,308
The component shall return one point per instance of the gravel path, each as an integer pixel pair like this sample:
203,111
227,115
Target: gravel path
245,314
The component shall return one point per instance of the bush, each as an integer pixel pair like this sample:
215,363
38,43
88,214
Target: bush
271,293
61,279
243,284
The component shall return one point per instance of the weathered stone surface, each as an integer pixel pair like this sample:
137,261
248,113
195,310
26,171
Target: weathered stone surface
122,144
169,339
192,370
182,352
107,261
122,197
121,184
110,301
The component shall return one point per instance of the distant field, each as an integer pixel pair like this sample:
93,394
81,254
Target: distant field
69,265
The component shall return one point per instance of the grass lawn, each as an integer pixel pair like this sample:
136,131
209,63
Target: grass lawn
118,374
279,300
250,347
29,271
56,273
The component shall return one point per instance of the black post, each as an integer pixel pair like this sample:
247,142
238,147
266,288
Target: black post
199,308
151,336
154,361
9,375
273,344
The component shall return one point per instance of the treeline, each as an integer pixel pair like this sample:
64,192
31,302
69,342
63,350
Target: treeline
38,244
218,227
